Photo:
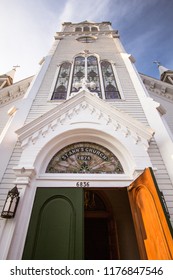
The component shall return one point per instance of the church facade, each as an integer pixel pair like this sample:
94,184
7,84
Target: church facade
87,145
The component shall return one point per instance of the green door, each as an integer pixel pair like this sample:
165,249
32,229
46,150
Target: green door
56,226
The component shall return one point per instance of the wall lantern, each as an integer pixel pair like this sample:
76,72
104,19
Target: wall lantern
11,203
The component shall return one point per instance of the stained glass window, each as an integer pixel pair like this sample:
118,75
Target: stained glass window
85,157
61,87
86,67
86,71
78,73
110,86
93,75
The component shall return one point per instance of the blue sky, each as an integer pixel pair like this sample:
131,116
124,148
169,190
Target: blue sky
27,29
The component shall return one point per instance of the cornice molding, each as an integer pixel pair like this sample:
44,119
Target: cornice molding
14,91
61,35
158,87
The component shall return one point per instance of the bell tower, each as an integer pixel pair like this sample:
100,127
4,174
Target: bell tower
86,65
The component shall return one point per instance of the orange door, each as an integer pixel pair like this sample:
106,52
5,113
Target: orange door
152,227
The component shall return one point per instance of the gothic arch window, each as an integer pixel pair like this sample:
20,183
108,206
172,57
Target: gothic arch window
110,86
61,86
78,73
86,68
85,157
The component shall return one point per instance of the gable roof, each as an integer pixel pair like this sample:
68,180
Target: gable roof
85,108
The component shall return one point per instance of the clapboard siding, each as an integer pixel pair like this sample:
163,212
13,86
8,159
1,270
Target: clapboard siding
162,177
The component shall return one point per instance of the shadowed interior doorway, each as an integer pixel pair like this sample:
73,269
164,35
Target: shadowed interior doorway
108,225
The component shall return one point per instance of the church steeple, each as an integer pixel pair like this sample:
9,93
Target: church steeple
7,78
166,75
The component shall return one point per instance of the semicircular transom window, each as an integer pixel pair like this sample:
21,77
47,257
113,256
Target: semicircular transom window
85,157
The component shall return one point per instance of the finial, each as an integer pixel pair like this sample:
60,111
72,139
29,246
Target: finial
15,66
166,75
157,62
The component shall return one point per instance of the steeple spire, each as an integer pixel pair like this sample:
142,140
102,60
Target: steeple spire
166,75
7,78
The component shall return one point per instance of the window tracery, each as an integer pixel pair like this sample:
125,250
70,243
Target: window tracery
86,72
86,67
93,75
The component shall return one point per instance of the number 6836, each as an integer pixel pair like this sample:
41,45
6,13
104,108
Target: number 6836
82,184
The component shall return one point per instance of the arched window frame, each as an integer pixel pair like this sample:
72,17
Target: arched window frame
85,71
86,28
94,28
55,81
78,29
102,89
81,153
117,83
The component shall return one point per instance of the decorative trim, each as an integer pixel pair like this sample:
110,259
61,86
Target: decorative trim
23,175
102,113
60,35
158,87
14,91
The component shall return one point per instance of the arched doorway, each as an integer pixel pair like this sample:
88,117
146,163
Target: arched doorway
108,229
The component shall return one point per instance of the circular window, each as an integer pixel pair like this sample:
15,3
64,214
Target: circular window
86,39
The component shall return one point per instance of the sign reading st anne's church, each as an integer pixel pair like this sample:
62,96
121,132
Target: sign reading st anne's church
85,157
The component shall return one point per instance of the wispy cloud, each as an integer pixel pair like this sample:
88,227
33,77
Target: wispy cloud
27,28
77,10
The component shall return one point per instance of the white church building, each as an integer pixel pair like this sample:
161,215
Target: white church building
86,154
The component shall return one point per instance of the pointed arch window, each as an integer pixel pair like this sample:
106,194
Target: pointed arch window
86,72
110,86
78,73
86,68
61,86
